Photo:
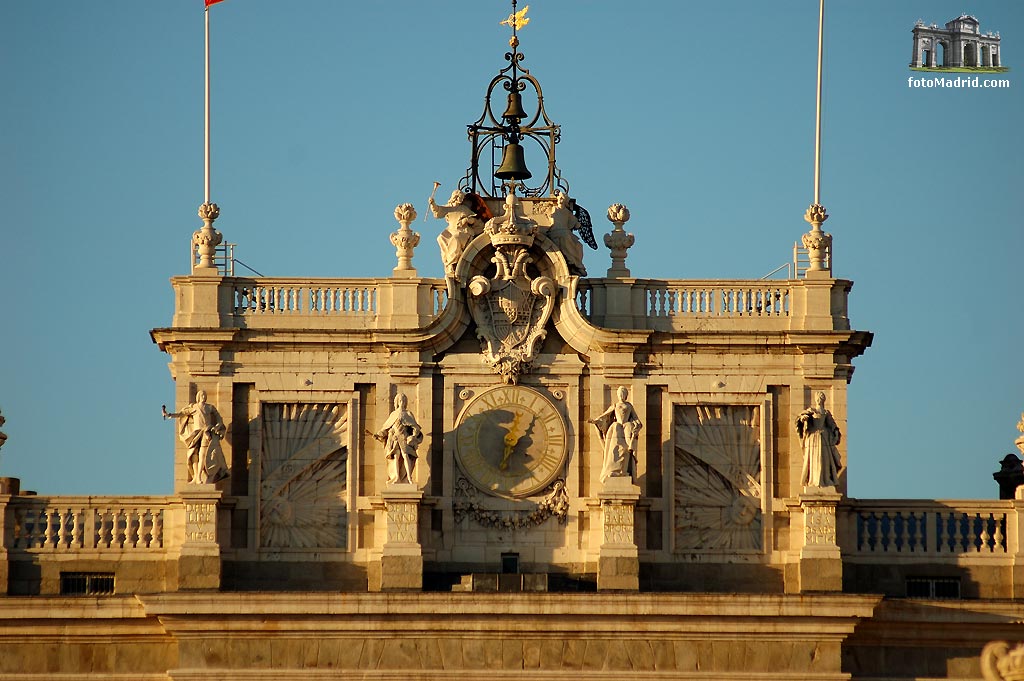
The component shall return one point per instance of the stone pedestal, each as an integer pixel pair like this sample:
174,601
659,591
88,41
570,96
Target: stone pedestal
195,535
401,561
821,566
618,565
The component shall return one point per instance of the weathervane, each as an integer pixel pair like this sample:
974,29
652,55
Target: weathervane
508,131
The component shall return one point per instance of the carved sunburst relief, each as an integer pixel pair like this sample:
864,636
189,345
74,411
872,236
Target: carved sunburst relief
303,476
717,477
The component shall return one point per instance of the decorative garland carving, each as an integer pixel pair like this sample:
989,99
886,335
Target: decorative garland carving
554,504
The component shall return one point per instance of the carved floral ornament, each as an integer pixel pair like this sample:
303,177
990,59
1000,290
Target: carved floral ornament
206,239
555,504
1001,662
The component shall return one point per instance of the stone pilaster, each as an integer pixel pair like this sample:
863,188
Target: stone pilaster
6,537
618,564
195,535
401,561
821,566
1015,542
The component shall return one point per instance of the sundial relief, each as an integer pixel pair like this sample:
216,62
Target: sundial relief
303,476
718,483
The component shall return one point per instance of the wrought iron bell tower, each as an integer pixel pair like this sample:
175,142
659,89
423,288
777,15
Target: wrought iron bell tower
506,136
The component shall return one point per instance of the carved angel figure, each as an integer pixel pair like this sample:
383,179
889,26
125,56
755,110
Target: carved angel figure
401,435
563,224
819,433
463,225
201,428
619,427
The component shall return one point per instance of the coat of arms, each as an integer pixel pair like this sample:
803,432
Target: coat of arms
511,309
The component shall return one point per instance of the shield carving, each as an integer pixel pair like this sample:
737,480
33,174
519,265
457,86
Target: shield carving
510,312
511,305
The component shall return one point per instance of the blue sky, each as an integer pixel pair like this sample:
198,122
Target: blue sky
698,116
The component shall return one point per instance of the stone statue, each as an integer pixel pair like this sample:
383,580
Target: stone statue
619,427
563,224
201,428
401,436
463,225
819,433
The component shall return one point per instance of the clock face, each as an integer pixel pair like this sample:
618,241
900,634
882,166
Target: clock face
511,441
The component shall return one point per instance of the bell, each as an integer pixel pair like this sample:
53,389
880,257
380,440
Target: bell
515,107
513,164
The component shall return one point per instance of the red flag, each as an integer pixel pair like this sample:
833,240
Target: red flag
212,2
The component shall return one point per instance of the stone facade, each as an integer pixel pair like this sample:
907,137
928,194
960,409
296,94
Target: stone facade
515,471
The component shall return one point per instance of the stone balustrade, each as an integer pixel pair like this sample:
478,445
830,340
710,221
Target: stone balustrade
673,305
308,303
350,297
932,530
388,303
69,524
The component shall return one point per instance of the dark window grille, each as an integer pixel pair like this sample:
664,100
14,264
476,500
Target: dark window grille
86,583
933,587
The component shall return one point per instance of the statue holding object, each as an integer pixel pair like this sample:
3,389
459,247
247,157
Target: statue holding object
201,428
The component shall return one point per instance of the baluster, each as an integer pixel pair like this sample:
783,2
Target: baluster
158,528
984,536
944,537
891,534
132,539
904,545
958,534
20,529
64,531
38,529
999,538
876,532
105,528
76,528
51,528
918,538
146,528
862,532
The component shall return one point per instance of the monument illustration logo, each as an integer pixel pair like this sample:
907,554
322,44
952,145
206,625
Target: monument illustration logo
961,46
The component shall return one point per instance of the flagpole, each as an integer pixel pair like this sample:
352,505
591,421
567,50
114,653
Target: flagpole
206,156
817,242
817,119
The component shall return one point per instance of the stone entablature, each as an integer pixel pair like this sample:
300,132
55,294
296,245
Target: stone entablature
962,42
